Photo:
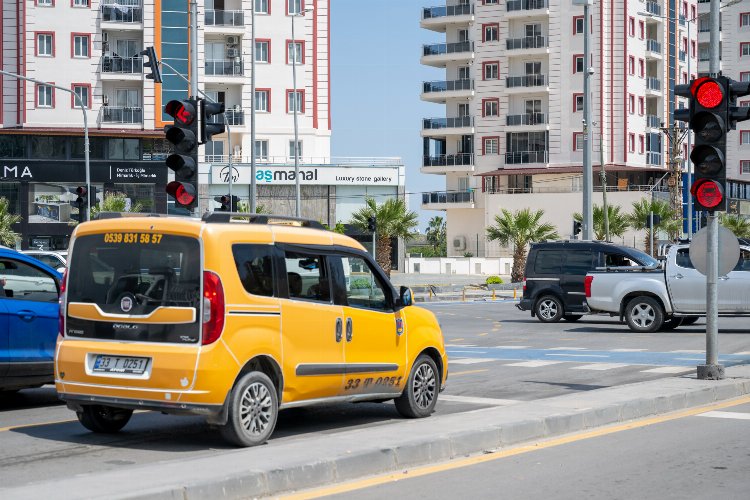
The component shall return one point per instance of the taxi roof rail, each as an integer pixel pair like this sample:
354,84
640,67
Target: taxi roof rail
224,217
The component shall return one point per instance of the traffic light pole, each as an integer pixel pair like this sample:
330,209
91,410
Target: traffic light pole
588,175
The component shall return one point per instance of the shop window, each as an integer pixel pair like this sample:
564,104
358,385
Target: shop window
123,149
48,147
138,197
96,148
12,146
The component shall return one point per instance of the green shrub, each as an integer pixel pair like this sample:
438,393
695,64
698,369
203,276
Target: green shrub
494,280
360,283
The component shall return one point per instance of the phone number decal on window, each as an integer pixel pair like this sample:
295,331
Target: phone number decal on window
137,238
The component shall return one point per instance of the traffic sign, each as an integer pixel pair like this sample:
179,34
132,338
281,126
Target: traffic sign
729,251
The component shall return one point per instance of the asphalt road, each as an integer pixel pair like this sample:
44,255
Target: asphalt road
498,355
701,456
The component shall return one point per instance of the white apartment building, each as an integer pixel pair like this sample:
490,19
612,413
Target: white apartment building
509,132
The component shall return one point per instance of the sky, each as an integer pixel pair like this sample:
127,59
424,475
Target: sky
375,85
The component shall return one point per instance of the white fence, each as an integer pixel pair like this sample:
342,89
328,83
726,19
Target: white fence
458,265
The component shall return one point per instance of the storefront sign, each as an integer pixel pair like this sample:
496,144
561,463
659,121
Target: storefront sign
75,171
319,175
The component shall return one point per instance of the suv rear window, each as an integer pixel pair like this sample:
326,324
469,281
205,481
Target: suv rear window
548,262
133,274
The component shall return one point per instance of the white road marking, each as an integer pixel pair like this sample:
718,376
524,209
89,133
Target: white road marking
468,352
628,350
688,351
535,364
601,366
726,414
580,355
743,353
469,361
568,349
511,347
690,359
460,345
669,369
479,401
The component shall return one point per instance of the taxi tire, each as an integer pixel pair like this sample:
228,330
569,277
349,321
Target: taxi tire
256,394
104,419
421,392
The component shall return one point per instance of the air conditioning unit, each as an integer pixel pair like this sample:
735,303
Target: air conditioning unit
459,243
233,53
233,40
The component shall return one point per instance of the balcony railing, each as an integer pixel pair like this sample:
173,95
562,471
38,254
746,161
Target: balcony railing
458,159
526,119
527,42
228,67
653,121
563,189
513,5
526,81
456,122
112,114
448,86
230,117
225,18
653,158
653,46
653,83
121,11
448,197
447,10
522,157
124,65
447,48
653,8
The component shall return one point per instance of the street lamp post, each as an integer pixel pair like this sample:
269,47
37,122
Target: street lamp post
253,186
297,105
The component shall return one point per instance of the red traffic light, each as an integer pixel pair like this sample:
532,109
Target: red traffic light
708,92
81,190
708,193
182,192
183,112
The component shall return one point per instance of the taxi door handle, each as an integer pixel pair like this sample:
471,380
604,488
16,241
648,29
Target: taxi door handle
348,329
339,329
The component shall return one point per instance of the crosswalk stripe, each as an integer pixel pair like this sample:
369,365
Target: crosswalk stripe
628,350
567,349
725,414
479,401
669,369
689,351
460,345
534,364
511,347
469,361
601,366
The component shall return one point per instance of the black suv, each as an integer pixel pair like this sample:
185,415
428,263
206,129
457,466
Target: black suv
555,272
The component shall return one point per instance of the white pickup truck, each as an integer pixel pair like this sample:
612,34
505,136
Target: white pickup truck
668,295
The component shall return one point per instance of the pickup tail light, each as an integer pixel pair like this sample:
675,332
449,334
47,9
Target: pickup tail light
587,285
213,308
61,309
523,284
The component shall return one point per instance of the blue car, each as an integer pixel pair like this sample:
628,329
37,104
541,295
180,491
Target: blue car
29,294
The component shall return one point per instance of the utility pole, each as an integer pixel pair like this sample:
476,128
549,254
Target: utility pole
604,182
253,185
194,67
588,175
675,136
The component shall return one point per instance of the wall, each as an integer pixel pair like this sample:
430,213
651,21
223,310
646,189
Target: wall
458,265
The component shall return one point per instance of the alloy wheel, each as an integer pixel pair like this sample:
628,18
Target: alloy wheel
424,386
255,408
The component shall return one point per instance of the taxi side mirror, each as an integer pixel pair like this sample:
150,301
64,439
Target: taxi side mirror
405,297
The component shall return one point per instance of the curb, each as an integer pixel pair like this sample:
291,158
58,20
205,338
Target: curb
298,465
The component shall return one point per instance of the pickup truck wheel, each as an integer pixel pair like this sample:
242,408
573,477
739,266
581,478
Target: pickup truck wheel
549,309
644,314
672,323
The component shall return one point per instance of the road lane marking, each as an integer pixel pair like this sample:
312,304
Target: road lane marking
568,349
470,361
628,350
467,352
479,401
690,359
601,366
504,453
743,353
483,334
23,426
689,351
460,345
467,372
580,355
511,347
669,369
535,364
458,340
726,414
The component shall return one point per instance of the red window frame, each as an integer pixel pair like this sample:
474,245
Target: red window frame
740,19
742,46
641,143
37,4
575,25
631,26
576,95
576,137
641,105
36,42
491,99
487,63
641,68
631,142
631,65
641,30
268,92
575,63
73,6
490,137
265,13
286,6
72,45
302,103
36,95
72,96
484,31
692,48
742,132
631,104
742,75
746,162
268,41
288,42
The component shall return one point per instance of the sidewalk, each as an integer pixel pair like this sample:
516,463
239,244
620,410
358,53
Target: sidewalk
330,458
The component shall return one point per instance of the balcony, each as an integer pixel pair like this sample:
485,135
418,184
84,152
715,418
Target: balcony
653,83
121,68
653,158
232,117
235,18
653,121
224,67
527,42
438,18
440,91
121,11
526,81
440,127
439,54
441,164
525,157
654,47
441,200
653,8
526,119
525,5
111,114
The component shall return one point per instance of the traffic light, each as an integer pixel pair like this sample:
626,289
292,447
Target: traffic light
372,224
184,161
212,120
737,114
80,201
576,228
152,63
228,203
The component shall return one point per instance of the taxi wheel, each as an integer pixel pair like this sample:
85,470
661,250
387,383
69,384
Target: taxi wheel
253,410
421,392
103,419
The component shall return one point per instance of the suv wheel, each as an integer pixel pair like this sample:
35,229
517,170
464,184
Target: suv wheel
253,410
644,314
103,419
549,309
421,392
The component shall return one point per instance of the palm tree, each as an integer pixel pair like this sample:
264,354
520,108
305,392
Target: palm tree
393,220
436,235
639,218
740,226
519,229
618,222
7,235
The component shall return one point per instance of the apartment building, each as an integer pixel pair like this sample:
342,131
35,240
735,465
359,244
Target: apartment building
510,133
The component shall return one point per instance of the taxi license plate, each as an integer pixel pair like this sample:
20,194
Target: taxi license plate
120,364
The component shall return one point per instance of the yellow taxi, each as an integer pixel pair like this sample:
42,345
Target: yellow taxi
235,318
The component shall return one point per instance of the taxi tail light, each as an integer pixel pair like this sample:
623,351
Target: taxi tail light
61,309
213,308
587,285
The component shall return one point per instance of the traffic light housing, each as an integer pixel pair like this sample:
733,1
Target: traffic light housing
184,161
372,224
735,113
576,228
228,203
212,119
152,63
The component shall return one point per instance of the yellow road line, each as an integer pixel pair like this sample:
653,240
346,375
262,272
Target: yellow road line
458,339
539,445
453,374
23,426
483,334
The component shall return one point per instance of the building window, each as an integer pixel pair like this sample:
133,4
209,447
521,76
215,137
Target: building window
45,3
641,144
261,150
631,26
631,104
490,71
577,141
295,101
263,51
578,63
83,91
631,143
577,103
490,107
45,97
745,166
299,149
295,52
744,19
578,25
263,100
81,45
641,29
744,137
490,32
489,2
641,105
45,44
262,7
641,68
692,48
745,76
631,65
490,145
745,49
744,104
80,3
294,6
